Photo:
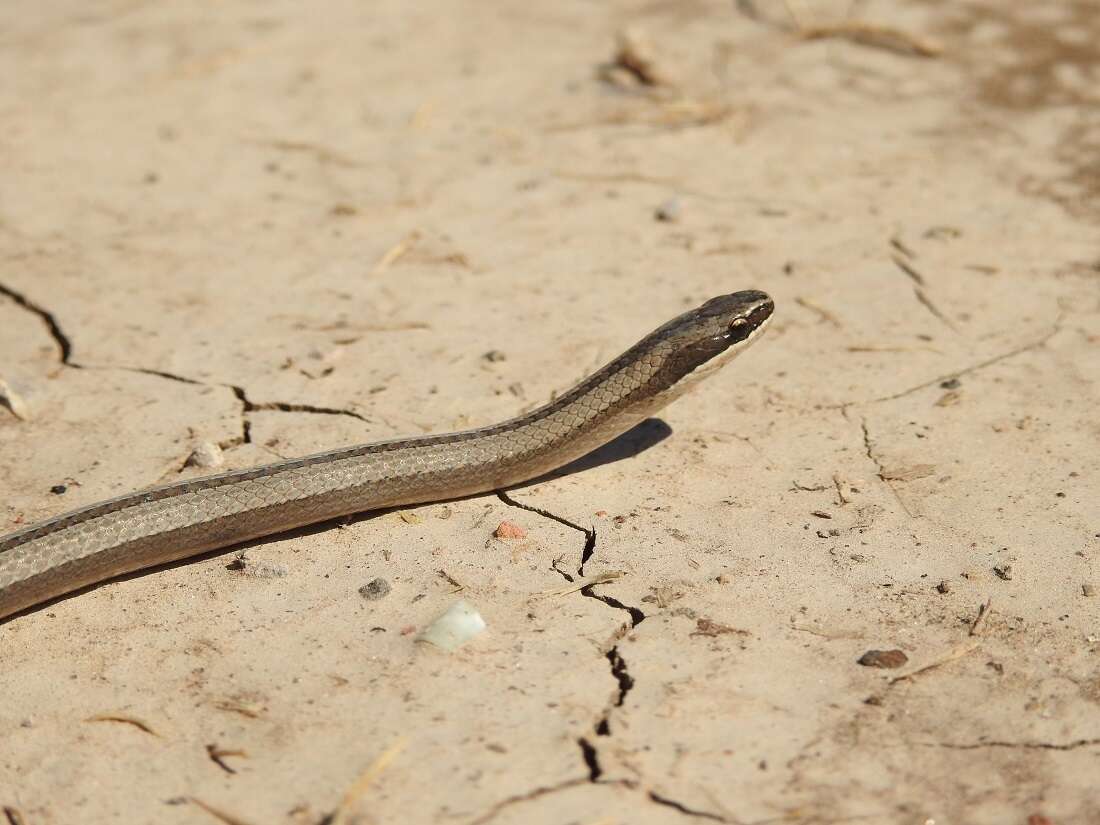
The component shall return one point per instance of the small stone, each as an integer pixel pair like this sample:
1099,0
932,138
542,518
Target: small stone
410,517
943,587
950,384
883,658
206,455
723,578
1088,589
669,211
58,489
509,530
859,558
375,589
820,514
264,570
1003,571
494,356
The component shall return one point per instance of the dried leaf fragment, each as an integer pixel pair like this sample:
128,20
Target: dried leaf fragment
709,627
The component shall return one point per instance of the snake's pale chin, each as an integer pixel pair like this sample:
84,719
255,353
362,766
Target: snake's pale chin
707,369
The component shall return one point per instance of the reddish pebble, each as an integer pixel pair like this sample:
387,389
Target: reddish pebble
509,530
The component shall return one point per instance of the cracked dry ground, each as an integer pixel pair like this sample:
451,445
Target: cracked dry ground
279,234
673,689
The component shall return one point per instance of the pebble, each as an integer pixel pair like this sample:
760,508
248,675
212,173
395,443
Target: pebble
375,589
206,455
1088,589
883,658
1003,571
669,211
509,530
943,587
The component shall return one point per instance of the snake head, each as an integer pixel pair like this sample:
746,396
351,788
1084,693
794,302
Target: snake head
699,342
738,315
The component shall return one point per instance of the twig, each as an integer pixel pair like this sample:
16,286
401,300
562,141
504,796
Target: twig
227,818
356,791
957,653
878,37
126,720
395,253
983,611
824,314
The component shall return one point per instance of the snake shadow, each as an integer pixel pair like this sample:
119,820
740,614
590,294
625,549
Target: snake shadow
633,442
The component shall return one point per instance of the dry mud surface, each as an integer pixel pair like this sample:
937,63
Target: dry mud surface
282,227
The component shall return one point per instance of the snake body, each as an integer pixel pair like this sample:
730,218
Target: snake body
163,524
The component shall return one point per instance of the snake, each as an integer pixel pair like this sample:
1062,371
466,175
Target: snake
43,562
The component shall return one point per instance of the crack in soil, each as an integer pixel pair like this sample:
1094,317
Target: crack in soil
591,759
618,670
868,448
61,340
65,349
949,376
511,502
525,797
636,615
282,406
684,809
1047,746
618,666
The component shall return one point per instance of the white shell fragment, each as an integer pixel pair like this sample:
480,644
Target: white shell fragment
457,626
13,401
